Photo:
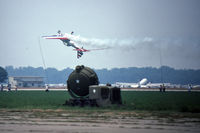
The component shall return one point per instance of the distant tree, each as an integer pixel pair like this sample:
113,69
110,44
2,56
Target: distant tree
3,74
131,74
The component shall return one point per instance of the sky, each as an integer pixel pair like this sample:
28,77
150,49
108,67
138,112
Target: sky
140,33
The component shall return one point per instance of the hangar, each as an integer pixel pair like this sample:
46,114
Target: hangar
26,81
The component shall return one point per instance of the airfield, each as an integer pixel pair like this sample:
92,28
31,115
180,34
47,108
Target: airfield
34,110
59,121
122,89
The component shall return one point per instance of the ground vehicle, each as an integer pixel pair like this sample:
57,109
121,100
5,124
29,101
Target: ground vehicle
83,86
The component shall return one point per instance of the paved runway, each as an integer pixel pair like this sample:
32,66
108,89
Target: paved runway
122,89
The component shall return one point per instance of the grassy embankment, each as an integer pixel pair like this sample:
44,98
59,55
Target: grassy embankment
146,101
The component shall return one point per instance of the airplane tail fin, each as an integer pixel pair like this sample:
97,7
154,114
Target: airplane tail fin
59,32
79,54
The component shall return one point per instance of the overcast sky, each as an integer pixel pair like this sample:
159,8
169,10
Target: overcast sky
154,29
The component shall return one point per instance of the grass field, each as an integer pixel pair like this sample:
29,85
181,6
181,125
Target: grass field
135,100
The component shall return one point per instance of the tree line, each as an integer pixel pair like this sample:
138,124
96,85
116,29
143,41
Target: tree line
132,74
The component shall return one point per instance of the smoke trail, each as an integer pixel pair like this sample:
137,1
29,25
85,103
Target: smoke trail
171,47
109,43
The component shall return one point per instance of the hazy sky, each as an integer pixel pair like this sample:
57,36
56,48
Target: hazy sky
154,29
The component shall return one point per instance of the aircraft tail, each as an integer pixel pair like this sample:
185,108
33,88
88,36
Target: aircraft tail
79,54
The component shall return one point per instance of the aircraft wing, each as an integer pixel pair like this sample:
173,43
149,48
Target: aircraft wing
81,50
87,50
97,49
56,37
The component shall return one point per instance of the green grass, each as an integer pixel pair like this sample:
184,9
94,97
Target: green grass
150,101
33,99
176,101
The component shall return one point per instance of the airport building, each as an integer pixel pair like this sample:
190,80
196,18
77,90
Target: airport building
26,81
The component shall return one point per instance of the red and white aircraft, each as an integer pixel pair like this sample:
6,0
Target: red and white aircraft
67,42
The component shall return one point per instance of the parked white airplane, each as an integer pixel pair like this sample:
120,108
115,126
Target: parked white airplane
142,83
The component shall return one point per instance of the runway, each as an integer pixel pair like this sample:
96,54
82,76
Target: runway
122,89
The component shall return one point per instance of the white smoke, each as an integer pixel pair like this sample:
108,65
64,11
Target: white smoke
170,48
109,43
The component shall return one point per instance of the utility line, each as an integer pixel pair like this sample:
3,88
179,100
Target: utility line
161,71
43,60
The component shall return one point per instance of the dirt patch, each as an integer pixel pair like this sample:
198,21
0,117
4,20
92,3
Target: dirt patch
75,121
